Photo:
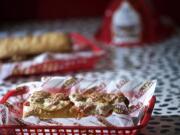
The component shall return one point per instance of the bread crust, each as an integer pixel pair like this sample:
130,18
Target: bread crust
18,47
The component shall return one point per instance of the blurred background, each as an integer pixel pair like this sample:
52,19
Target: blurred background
160,62
21,10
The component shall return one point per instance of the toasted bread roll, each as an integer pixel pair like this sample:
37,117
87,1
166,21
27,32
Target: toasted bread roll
45,114
34,44
46,105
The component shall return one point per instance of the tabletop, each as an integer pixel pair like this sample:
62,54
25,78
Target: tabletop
160,61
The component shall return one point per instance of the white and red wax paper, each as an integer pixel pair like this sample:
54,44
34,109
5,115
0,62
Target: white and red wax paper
138,92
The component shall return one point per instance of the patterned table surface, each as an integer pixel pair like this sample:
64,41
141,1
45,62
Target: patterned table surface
161,62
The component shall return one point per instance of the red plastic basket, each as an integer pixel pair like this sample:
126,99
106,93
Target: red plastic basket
61,66
71,130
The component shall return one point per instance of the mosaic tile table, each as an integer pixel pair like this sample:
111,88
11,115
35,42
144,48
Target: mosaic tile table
161,62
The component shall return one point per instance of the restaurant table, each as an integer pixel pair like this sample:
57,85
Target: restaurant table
160,61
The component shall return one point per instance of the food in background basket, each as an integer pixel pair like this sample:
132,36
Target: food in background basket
19,48
48,53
